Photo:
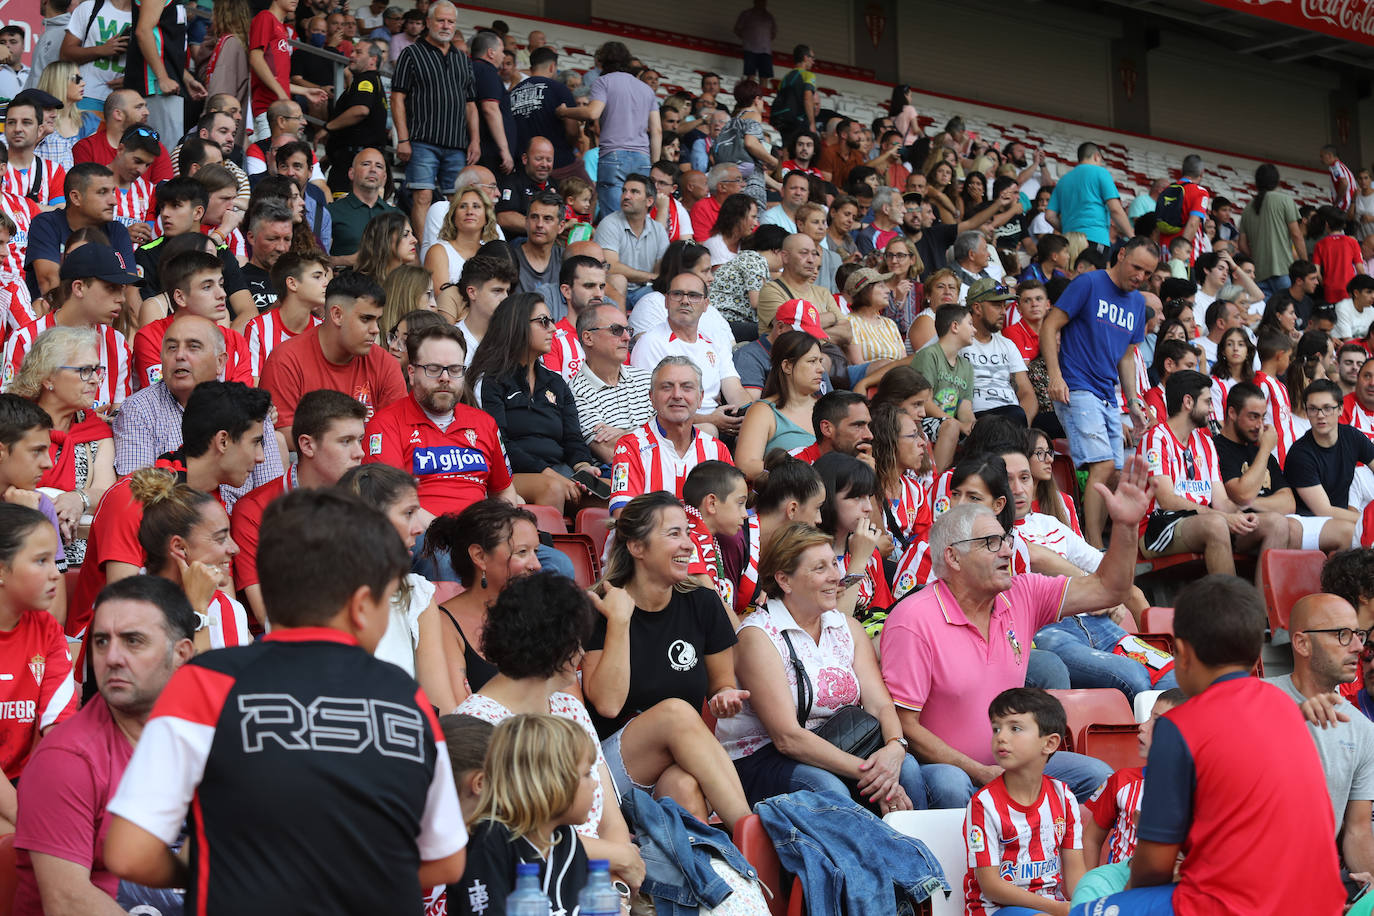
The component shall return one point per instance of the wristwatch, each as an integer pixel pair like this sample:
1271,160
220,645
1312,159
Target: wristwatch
906,745
202,621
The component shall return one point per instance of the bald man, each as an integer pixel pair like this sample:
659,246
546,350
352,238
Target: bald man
1327,647
801,263
520,186
352,212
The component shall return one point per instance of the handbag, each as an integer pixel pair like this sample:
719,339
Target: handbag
852,729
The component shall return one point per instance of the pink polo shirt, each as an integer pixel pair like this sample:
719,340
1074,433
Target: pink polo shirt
937,663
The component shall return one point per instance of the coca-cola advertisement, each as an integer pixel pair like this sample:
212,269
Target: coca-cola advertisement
1352,20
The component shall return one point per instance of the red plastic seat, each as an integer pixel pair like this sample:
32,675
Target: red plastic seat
1065,477
595,524
1288,576
1157,620
1104,706
9,876
548,518
579,549
1114,745
753,841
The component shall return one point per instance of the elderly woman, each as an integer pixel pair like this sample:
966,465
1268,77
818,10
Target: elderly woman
802,661
62,374
663,650
534,636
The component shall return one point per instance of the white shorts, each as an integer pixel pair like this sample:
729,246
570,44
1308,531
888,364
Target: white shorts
1312,526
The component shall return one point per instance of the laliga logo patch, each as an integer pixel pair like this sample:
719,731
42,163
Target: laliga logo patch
620,478
976,841
942,505
905,583
154,374
374,444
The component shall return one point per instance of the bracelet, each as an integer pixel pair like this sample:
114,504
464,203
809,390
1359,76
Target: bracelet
85,501
399,142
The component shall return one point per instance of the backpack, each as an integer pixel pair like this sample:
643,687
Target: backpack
788,112
729,145
1169,215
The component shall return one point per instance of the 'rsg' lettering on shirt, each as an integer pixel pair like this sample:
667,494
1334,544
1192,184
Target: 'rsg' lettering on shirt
448,459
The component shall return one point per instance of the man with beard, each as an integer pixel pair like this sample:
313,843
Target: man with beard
1000,383
842,158
452,449
1327,650
1191,511
141,633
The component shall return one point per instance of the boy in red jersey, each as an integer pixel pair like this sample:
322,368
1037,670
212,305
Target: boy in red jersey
1022,830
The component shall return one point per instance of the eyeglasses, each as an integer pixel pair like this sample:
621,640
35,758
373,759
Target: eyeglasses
731,181
993,542
1344,634
544,321
86,373
434,370
897,255
1043,454
1325,411
617,330
680,294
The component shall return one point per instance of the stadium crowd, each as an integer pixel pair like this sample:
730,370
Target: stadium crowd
863,430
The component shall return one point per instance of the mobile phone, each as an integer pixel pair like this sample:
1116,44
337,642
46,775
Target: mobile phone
1358,894
851,580
598,487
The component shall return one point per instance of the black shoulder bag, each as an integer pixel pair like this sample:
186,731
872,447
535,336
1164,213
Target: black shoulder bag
851,729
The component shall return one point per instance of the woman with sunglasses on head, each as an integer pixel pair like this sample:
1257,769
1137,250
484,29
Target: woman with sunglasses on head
63,81
531,404
62,374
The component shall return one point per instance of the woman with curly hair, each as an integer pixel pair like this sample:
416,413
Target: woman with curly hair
534,636
387,244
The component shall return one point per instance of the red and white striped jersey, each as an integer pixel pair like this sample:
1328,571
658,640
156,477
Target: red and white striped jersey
263,333
1352,414
706,561
911,509
567,354
749,574
1022,842
22,211
48,185
1142,380
1070,509
1221,388
939,493
1116,807
228,622
1193,469
874,592
645,461
132,204
1340,171
115,356
16,303
1281,414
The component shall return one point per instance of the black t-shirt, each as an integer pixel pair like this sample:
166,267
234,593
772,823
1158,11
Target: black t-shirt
668,650
933,244
260,286
1333,468
1235,459
516,190
489,88
533,105
489,875
149,258
365,90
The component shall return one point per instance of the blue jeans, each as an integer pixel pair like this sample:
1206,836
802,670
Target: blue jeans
1271,285
611,171
767,773
438,568
433,167
1143,901
808,778
1084,643
947,786
1093,428
1046,670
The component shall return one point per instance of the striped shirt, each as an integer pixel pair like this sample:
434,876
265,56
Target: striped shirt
1193,471
646,461
133,203
910,510
114,355
748,586
877,337
567,354
1352,414
1116,806
265,332
437,87
46,182
1022,843
915,568
624,405
1341,172
1281,414
22,211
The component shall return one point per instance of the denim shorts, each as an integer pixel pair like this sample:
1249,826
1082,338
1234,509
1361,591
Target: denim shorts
615,765
1093,428
433,167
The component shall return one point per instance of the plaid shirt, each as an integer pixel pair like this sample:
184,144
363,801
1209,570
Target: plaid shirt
149,425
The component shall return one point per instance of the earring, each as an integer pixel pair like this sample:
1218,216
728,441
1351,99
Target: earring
484,579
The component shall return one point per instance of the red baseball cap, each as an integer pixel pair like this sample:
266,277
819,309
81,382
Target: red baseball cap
800,315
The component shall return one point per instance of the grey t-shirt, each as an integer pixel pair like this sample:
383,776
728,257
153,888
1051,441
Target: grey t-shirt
1346,751
625,119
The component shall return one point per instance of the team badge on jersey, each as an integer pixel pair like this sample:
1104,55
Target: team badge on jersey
1059,828
620,478
976,841
471,436
374,444
36,666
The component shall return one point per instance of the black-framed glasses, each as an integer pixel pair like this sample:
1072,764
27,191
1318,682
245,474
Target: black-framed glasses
617,330
897,254
1326,411
1043,454
86,373
993,542
1344,634
434,370
544,321
690,296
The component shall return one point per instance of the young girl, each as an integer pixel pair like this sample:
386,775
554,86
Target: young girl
851,490
1235,363
536,783
1049,499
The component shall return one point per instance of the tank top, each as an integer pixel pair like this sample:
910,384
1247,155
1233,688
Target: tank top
479,669
786,434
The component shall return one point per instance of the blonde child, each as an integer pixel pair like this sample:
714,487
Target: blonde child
535,786
579,197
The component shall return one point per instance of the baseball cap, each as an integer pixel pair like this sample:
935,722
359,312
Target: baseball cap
99,261
800,315
985,289
861,280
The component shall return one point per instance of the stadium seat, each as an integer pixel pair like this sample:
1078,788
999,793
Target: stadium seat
1105,706
579,549
753,841
548,518
942,830
593,523
1065,477
1288,576
9,877
1157,620
1114,745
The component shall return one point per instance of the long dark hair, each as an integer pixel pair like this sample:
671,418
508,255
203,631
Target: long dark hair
791,346
898,100
992,471
1247,364
506,345
734,210
1311,349
843,475
1266,180
679,258
1048,499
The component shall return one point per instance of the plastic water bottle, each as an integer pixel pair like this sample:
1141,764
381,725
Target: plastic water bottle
599,897
528,898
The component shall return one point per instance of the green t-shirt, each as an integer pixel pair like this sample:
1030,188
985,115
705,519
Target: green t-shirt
1267,233
951,384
